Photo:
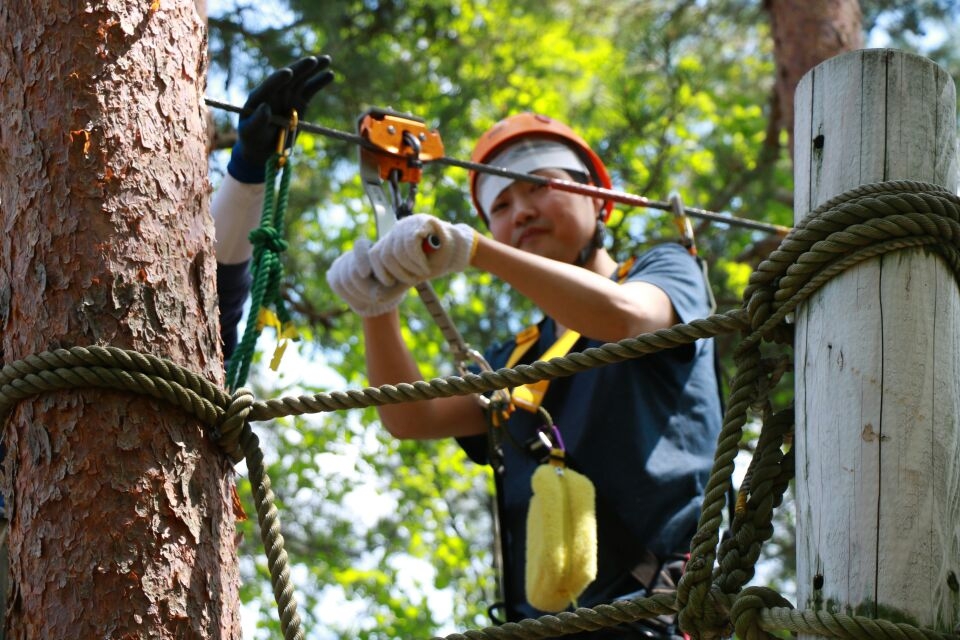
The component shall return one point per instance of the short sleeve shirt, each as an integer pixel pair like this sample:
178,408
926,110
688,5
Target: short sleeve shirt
643,431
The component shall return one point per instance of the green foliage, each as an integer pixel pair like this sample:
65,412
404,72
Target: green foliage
673,95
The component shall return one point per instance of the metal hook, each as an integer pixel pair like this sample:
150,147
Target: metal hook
405,208
683,223
282,150
413,142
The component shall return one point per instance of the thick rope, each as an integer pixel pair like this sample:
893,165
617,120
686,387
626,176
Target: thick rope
268,519
760,493
831,239
110,367
859,225
583,619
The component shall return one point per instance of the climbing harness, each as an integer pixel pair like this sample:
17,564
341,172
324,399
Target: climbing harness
530,396
266,304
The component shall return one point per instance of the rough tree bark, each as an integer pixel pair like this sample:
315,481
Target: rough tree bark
805,33
122,523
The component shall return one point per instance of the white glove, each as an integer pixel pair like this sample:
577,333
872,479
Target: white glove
400,256
351,277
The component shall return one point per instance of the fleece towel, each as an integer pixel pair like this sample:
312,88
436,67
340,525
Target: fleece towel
561,538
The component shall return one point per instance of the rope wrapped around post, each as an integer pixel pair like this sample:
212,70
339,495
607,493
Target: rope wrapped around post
858,225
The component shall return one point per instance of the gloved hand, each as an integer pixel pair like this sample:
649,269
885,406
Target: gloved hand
284,90
400,256
351,277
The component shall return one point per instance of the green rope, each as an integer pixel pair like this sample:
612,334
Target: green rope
710,600
266,269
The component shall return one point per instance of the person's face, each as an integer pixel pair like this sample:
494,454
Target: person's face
545,221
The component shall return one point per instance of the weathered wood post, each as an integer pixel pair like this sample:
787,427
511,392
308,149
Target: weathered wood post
878,357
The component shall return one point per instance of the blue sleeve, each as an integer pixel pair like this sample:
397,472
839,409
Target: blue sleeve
233,287
671,268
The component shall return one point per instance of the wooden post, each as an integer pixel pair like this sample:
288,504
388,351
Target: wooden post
878,357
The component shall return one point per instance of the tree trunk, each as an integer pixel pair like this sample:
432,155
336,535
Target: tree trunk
805,33
121,517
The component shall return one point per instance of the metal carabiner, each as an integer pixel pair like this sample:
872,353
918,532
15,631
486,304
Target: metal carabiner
500,398
683,223
406,206
282,150
403,206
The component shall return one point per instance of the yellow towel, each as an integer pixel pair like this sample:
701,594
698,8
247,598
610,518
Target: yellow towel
561,538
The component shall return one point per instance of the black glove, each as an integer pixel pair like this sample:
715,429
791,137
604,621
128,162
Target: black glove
283,91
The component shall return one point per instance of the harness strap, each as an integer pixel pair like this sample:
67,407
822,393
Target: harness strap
529,397
525,339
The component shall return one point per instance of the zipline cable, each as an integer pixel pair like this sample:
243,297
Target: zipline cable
554,183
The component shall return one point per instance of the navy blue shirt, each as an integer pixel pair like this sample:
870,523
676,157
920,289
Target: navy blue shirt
233,287
643,431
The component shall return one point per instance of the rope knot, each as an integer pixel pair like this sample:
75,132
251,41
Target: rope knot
701,609
268,238
228,431
746,610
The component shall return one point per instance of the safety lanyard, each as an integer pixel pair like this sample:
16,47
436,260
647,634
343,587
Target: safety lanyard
529,397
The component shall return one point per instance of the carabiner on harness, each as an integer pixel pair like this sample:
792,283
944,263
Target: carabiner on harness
499,398
548,435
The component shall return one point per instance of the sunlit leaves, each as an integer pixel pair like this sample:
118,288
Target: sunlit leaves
675,98
665,98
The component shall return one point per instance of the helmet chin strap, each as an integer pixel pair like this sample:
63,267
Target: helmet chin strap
596,242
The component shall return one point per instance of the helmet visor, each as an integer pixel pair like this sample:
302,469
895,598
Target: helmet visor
525,156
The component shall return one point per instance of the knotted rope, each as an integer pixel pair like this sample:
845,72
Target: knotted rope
266,271
710,600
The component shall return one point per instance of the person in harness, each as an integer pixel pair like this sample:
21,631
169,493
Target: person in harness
642,432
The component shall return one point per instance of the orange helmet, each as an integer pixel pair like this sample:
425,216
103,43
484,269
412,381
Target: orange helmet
521,125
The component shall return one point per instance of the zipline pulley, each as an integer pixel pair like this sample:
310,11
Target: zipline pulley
396,145
401,142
